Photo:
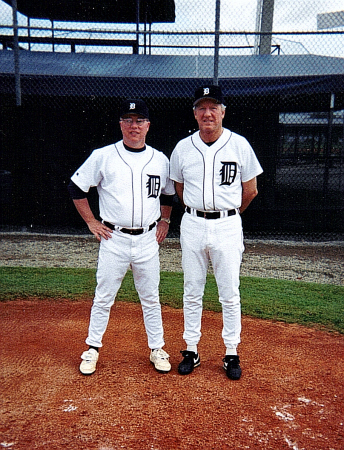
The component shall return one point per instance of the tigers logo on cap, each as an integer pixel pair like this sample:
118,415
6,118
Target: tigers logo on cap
134,106
209,91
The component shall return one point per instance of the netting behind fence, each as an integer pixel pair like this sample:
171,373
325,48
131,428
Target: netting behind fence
64,69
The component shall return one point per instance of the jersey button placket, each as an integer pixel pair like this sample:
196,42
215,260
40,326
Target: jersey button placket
208,180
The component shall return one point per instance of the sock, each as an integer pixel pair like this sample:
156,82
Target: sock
192,348
94,348
231,351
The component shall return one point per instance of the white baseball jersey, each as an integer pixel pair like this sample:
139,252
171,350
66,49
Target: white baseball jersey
129,183
212,176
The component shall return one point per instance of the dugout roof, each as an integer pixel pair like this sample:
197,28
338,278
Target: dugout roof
296,80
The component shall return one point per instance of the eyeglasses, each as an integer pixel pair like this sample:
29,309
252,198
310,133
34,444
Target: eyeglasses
139,122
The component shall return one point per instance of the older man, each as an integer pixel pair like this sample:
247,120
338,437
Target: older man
215,174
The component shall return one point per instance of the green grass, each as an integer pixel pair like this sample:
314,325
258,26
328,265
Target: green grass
308,304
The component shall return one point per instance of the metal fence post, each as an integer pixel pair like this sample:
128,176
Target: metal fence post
217,43
328,149
16,53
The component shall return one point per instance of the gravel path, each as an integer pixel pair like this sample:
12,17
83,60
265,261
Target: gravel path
311,262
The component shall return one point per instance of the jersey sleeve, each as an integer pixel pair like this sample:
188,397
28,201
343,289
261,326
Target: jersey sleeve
175,166
168,189
251,166
89,174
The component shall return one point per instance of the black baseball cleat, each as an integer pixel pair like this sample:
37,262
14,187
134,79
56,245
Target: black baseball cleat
190,361
231,364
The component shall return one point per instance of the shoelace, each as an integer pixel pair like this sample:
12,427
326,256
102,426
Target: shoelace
189,355
161,354
88,357
234,363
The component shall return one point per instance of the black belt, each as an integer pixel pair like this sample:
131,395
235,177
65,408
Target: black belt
132,231
210,214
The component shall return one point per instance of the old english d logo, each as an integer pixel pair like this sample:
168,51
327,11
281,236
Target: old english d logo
228,172
153,185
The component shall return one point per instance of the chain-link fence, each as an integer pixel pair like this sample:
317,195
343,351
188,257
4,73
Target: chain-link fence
176,27
65,67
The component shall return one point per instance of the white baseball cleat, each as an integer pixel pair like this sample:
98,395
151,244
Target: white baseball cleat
89,361
160,360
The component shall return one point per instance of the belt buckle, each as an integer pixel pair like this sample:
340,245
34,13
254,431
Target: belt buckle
136,232
132,232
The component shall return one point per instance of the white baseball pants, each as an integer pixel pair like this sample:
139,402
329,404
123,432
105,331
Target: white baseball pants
221,241
116,255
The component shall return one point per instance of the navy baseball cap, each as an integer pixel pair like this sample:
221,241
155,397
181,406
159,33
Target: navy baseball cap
134,106
208,91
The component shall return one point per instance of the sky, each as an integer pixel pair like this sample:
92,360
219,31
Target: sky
240,15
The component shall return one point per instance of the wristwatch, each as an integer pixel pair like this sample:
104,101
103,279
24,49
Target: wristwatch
165,219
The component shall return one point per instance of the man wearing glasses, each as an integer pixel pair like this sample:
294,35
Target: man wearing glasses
135,202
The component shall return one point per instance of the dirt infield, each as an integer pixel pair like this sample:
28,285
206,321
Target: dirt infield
289,397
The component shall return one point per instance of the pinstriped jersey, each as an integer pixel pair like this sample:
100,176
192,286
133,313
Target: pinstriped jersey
212,175
129,184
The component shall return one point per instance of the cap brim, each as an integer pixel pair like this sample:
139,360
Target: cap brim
134,114
207,98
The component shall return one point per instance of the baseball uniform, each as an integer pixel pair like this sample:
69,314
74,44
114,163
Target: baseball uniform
129,185
212,177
